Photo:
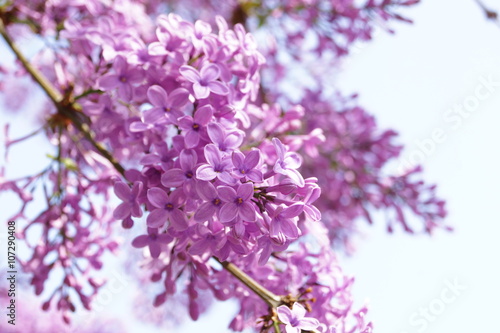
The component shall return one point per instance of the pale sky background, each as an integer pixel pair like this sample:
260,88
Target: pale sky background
411,82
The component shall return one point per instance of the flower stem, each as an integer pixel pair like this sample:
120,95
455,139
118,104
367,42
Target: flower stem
270,298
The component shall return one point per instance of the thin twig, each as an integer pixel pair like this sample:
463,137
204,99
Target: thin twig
490,14
66,108
270,298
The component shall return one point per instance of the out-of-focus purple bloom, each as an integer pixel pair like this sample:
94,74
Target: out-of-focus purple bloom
244,166
195,125
204,81
287,163
153,240
282,225
167,209
123,79
217,167
237,203
130,204
295,320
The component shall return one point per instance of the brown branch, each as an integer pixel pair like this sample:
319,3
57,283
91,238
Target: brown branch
490,14
270,298
65,106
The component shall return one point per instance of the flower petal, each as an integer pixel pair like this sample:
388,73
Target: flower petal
178,220
298,310
206,191
200,92
157,218
280,148
122,211
178,98
238,158
218,88
210,72
212,154
191,138
108,81
188,159
122,191
203,115
226,193
293,210
154,249
190,73
157,96
292,160
245,191
204,212
158,197
206,172
173,178
252,159
216,133
285,314
247,212
308,324
140,241
228,212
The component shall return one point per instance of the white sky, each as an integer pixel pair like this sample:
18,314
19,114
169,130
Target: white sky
410,81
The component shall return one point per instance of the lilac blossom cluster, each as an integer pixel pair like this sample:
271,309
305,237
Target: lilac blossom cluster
204,160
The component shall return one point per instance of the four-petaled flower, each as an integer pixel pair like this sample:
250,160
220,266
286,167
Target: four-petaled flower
212,203
225,141
236,203
167,209
123,79
244,166
295,320
282,225
287,163
217,166
204,81
165,106
194,125
153,240
184,176
130,204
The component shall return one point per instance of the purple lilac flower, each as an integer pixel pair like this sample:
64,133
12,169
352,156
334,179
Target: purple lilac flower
167,209
217,167
244,166
193,126
237,203
123,79
204,81
295,320
130,205
282,225
153,240
165,105
212,203
225,141
287,163
185,175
